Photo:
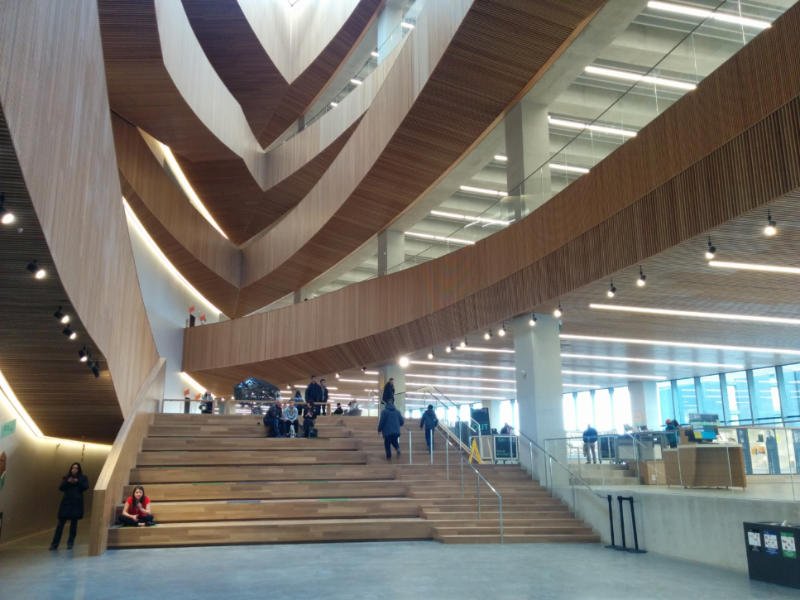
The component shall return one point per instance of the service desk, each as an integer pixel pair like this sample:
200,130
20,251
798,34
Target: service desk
705,465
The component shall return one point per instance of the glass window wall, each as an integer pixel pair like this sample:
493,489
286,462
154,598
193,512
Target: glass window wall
604,417
711,396
622,408
685,399
765,399
791,392
665,406
737,398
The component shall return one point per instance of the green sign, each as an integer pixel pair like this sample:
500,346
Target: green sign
8,428
788,547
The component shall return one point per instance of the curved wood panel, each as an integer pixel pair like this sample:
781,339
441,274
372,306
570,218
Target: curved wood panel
689,170
418,128
56,105
270,103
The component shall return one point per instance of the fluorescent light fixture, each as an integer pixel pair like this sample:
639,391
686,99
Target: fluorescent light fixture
584,386
302,387
694,314
651,361
450,386
582,126
754,267
432,363
438,238
614,375
485,191
355,81
192,383
150,243
334,104
406,25
671,344
343,380
691,11
374,54
460,378
638,77
482,349
470,218
501,158
471,396
568,168
368,372
187,188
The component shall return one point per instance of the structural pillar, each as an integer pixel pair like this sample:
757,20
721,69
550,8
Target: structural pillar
644,404
527,149
391,250
389,32
538,374
384,373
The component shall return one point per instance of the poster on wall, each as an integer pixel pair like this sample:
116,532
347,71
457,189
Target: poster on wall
771,542
788,546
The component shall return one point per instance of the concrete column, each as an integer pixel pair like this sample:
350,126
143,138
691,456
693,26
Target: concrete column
389,32
538,361
527,148
393,370
494,414
644,404
391,250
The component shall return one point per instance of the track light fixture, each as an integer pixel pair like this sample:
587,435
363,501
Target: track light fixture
710,251
83,353
642,281
558,312
612,290
6,217
67,331
337,375
37,271
449,348
363,369
463,343
771,228
532,320
502,331
488,335
59,314
430,355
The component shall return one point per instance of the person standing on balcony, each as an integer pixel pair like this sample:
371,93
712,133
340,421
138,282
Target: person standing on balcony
324,396
388,392
590,444
314,395
429,421
389,425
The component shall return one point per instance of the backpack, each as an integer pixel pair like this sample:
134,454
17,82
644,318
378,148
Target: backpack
313,432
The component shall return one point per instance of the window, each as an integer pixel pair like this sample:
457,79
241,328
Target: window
766,399
415,414
604,417
506,414
464,413
622,408
711,396
791,389
584,410
665,407
568,402
685,400
737,398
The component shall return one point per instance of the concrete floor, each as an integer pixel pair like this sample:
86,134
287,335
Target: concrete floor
415,570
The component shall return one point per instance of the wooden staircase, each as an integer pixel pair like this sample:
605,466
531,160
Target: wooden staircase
219,480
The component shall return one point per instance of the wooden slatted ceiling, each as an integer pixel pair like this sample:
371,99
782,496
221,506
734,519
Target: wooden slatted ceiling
566,244
56,106
497,52
41,364
269,102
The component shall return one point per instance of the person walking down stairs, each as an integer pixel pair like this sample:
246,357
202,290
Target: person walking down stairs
389,425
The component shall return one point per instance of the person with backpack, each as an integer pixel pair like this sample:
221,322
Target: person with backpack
429,421
389,425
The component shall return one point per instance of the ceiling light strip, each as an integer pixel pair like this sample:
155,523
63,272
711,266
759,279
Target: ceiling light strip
614,375
639,78
484,349
438,238
754,267
694,314
582,126
431,363
652,361
450,386
469,218
568,168
692,11
459,377
479,190
672,344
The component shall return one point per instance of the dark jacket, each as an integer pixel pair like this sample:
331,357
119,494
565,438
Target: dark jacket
71,506
313,393
390,422
388,392
428,419
590,435
274,412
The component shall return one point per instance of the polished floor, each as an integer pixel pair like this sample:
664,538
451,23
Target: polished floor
416,570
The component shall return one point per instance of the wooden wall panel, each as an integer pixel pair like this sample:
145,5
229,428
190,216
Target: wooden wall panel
631,206
416,130
53,93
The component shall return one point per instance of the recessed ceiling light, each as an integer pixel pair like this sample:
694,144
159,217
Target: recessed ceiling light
478,190
692,11
568,168
694,314
470,218
638,77
403,362
672,344
651,361
558,312
374,54
438,238
454,365
614,375
755,267
501,158
580,126
355,81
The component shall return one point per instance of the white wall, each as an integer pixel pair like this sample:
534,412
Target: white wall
167,301
29,498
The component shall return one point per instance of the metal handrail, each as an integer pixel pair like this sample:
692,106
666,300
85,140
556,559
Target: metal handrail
478,494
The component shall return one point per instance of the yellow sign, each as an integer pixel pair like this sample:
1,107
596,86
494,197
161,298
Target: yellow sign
474,452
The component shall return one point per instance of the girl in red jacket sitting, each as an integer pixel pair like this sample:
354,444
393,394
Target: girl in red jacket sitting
136,511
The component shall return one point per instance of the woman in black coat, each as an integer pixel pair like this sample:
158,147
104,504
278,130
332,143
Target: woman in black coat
73,484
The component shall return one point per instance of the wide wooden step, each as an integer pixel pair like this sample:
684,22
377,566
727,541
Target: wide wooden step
269,532
516,522
145,475
574,529
222,430
272,490
490,513
251,457
195,419
339,508
518,539
201,444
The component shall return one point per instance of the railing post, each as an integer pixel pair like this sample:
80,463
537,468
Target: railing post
447,456
500,503
621,524
461,455
478,493
410,461
430,440
611,522
530,447
635,537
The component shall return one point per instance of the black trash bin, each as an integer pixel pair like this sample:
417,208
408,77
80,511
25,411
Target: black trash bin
772,552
